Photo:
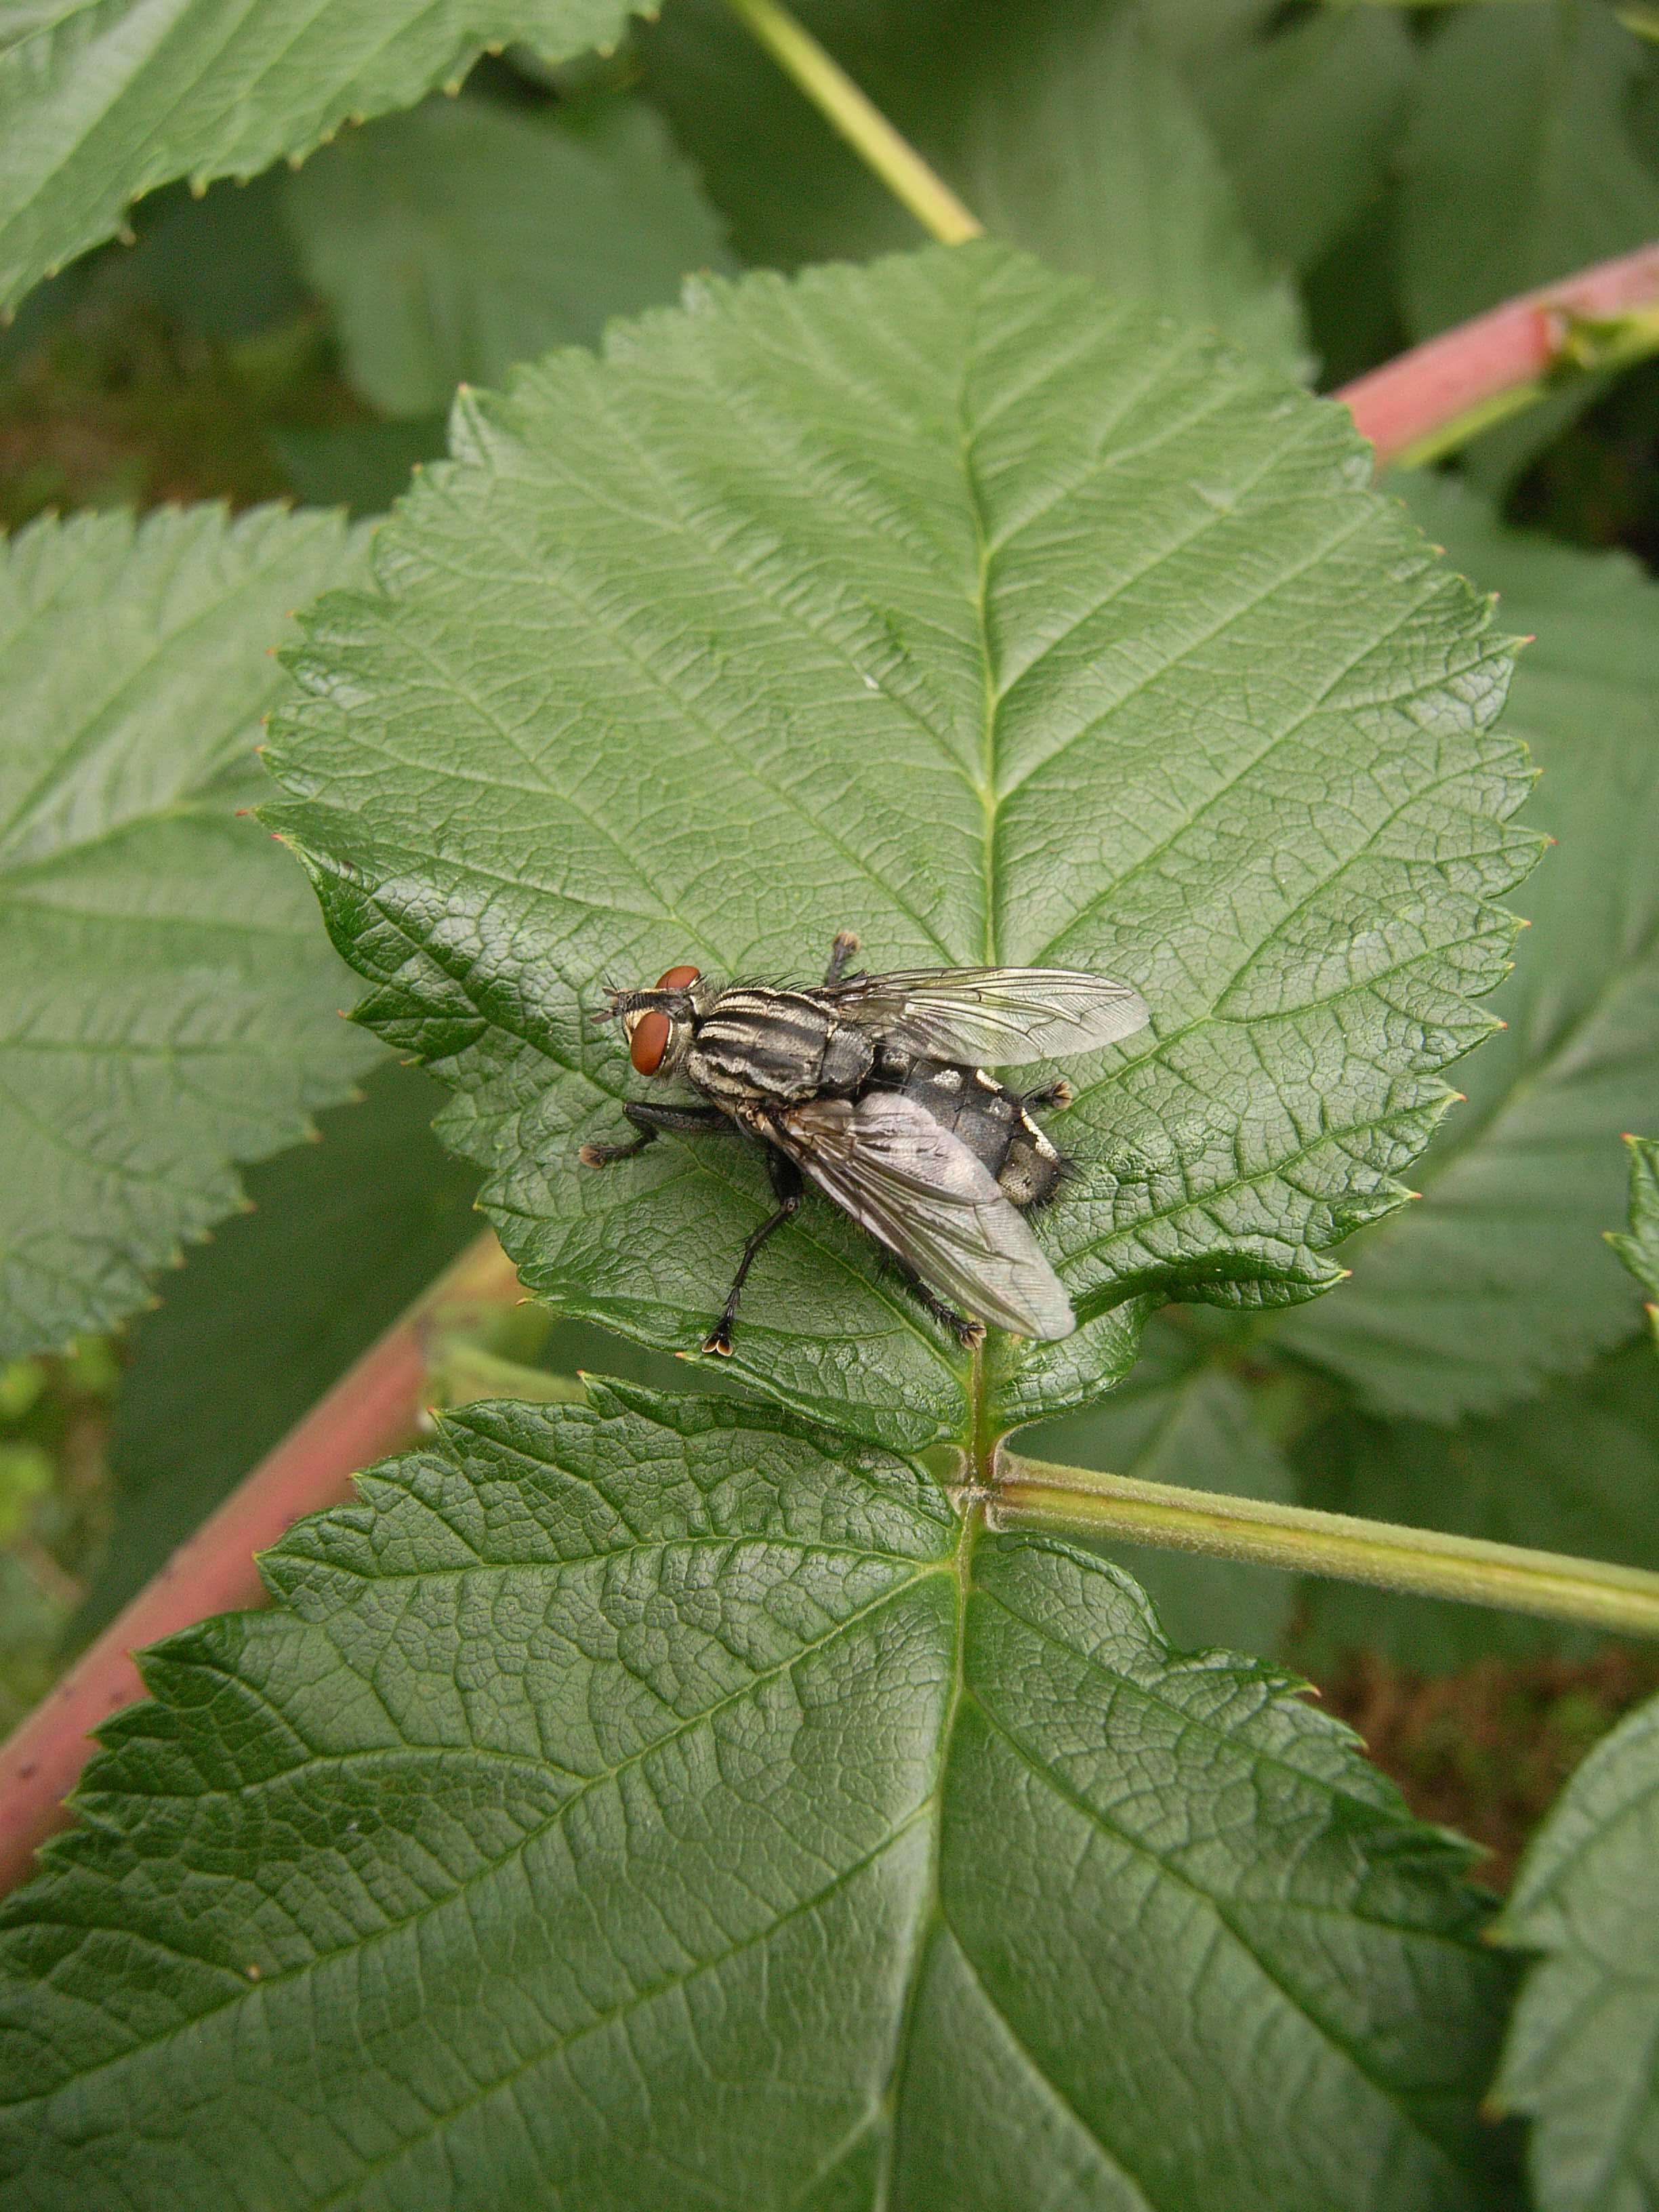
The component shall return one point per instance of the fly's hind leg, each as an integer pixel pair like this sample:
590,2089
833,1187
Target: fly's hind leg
787,1189
846,944
969,1333
651,1121
1058,1094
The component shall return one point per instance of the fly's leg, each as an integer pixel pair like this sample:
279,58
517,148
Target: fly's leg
651,1121
968,1333
846,944
787,1189
1058,1094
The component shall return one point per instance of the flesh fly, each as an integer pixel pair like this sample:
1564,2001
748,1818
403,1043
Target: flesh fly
873,1087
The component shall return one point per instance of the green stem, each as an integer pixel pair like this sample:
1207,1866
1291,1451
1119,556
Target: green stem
1031,1493
861,124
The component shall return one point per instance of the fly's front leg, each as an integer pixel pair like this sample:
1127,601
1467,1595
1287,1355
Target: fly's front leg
846,944
787,1189
651,1121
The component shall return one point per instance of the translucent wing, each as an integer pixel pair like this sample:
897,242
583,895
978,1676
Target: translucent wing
1004,1017
918,1189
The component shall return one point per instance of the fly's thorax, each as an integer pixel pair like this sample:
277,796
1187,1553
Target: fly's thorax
778,1045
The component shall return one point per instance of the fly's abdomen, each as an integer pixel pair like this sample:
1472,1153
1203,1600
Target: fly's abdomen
760,1044
994,1123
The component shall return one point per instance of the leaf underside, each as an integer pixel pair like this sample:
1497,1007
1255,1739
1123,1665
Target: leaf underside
168,1003
1581,2055
649,1802
948,601
101,101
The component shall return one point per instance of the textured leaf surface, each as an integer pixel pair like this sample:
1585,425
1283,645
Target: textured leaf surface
101,101
342,1235
1575,1470
1638,1247
951,603
168,1004
1181,1418
1500,1279
1518,165
642,1805
462,237
1582,2056
1058,122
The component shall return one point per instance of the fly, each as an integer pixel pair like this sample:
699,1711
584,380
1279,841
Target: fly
871,1085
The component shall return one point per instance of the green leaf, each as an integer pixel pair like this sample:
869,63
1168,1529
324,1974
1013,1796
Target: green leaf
1518,165
462,237
650,1804
1080,142
1181,1417
1500,1279
1575,1471
1306,114
168,1003
1060,123
1582,2056
1640,1250
344,1235
101,101
951,602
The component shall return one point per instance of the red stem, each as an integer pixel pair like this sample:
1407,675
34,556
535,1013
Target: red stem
1421,392
374,1408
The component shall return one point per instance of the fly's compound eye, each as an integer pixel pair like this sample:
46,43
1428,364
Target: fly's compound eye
649,1041
679,979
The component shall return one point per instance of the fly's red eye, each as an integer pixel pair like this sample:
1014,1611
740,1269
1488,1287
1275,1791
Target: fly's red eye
679,979
648,1043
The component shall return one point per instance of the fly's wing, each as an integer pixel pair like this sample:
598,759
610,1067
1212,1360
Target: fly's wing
917,1188
1005,1017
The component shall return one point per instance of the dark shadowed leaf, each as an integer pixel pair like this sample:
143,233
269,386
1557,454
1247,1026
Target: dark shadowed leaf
1306,110
1576,1471
651,1804
167,1007
1182,1417
951,602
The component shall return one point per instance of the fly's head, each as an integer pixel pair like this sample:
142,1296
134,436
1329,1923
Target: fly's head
659,1024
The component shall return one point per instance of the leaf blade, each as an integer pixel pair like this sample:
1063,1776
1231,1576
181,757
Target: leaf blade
634,1896
100,104
169,1008
1579,2056
1498,1281
1002,661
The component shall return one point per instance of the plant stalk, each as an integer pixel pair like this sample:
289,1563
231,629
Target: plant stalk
1031,1493
859,120
1426,403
